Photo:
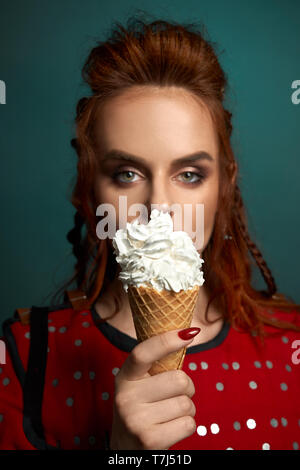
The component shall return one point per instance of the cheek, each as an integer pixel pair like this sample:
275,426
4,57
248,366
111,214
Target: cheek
209,222
198,220
210,203
106,193
119,199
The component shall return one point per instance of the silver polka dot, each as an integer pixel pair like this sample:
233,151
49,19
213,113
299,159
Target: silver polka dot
77,375
229,448
274,423
55,382
253,333
5,381
284,422
201,430
295,445
0,370
237,425
85,324
69,401
269,364
266,446
49,320
78,342
204,365
76,440
283,386
115,370
48,349
288,368
63,329
220,386
192,366
214,428
299,423
284,339
92,440
51,329
251,424
225,366
27,335
253,385
235,365
105,396
84,313
92,375
257,364
1,418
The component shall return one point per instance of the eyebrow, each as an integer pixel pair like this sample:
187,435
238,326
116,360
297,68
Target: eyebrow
115,154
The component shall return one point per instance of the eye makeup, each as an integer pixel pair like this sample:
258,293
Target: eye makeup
200,175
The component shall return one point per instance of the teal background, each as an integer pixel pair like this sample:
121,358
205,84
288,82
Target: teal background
43,46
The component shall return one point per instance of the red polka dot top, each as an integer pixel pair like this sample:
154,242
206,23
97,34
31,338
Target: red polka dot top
57,384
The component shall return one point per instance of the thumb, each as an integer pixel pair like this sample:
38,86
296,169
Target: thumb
152,349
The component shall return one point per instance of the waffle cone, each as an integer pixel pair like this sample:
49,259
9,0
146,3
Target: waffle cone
155,312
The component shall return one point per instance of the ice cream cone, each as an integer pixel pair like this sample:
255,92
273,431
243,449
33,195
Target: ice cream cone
156,312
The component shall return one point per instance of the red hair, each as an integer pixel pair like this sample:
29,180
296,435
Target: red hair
163,54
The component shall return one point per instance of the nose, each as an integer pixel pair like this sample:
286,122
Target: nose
158,196
164,207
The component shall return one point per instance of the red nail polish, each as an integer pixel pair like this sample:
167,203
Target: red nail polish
188,333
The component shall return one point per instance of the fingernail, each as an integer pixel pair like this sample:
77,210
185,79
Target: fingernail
188,333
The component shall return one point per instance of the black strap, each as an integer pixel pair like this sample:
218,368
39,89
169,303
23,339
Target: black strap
36,368
107,441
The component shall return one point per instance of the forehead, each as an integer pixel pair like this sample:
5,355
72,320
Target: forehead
162,119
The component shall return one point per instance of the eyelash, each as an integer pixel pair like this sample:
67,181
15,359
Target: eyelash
193,183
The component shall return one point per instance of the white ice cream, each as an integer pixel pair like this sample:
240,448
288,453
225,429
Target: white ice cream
154,255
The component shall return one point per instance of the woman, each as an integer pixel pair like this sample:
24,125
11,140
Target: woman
155,131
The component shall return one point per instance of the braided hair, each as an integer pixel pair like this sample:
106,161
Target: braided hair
74,237
255,252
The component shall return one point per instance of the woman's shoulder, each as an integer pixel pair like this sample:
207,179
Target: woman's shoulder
55,320
66,310
46,329
283,332
24,319
58,333
291,315
42,343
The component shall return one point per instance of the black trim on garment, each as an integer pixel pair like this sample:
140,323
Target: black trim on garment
32,381
13,350
126,343
107,441
35,375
